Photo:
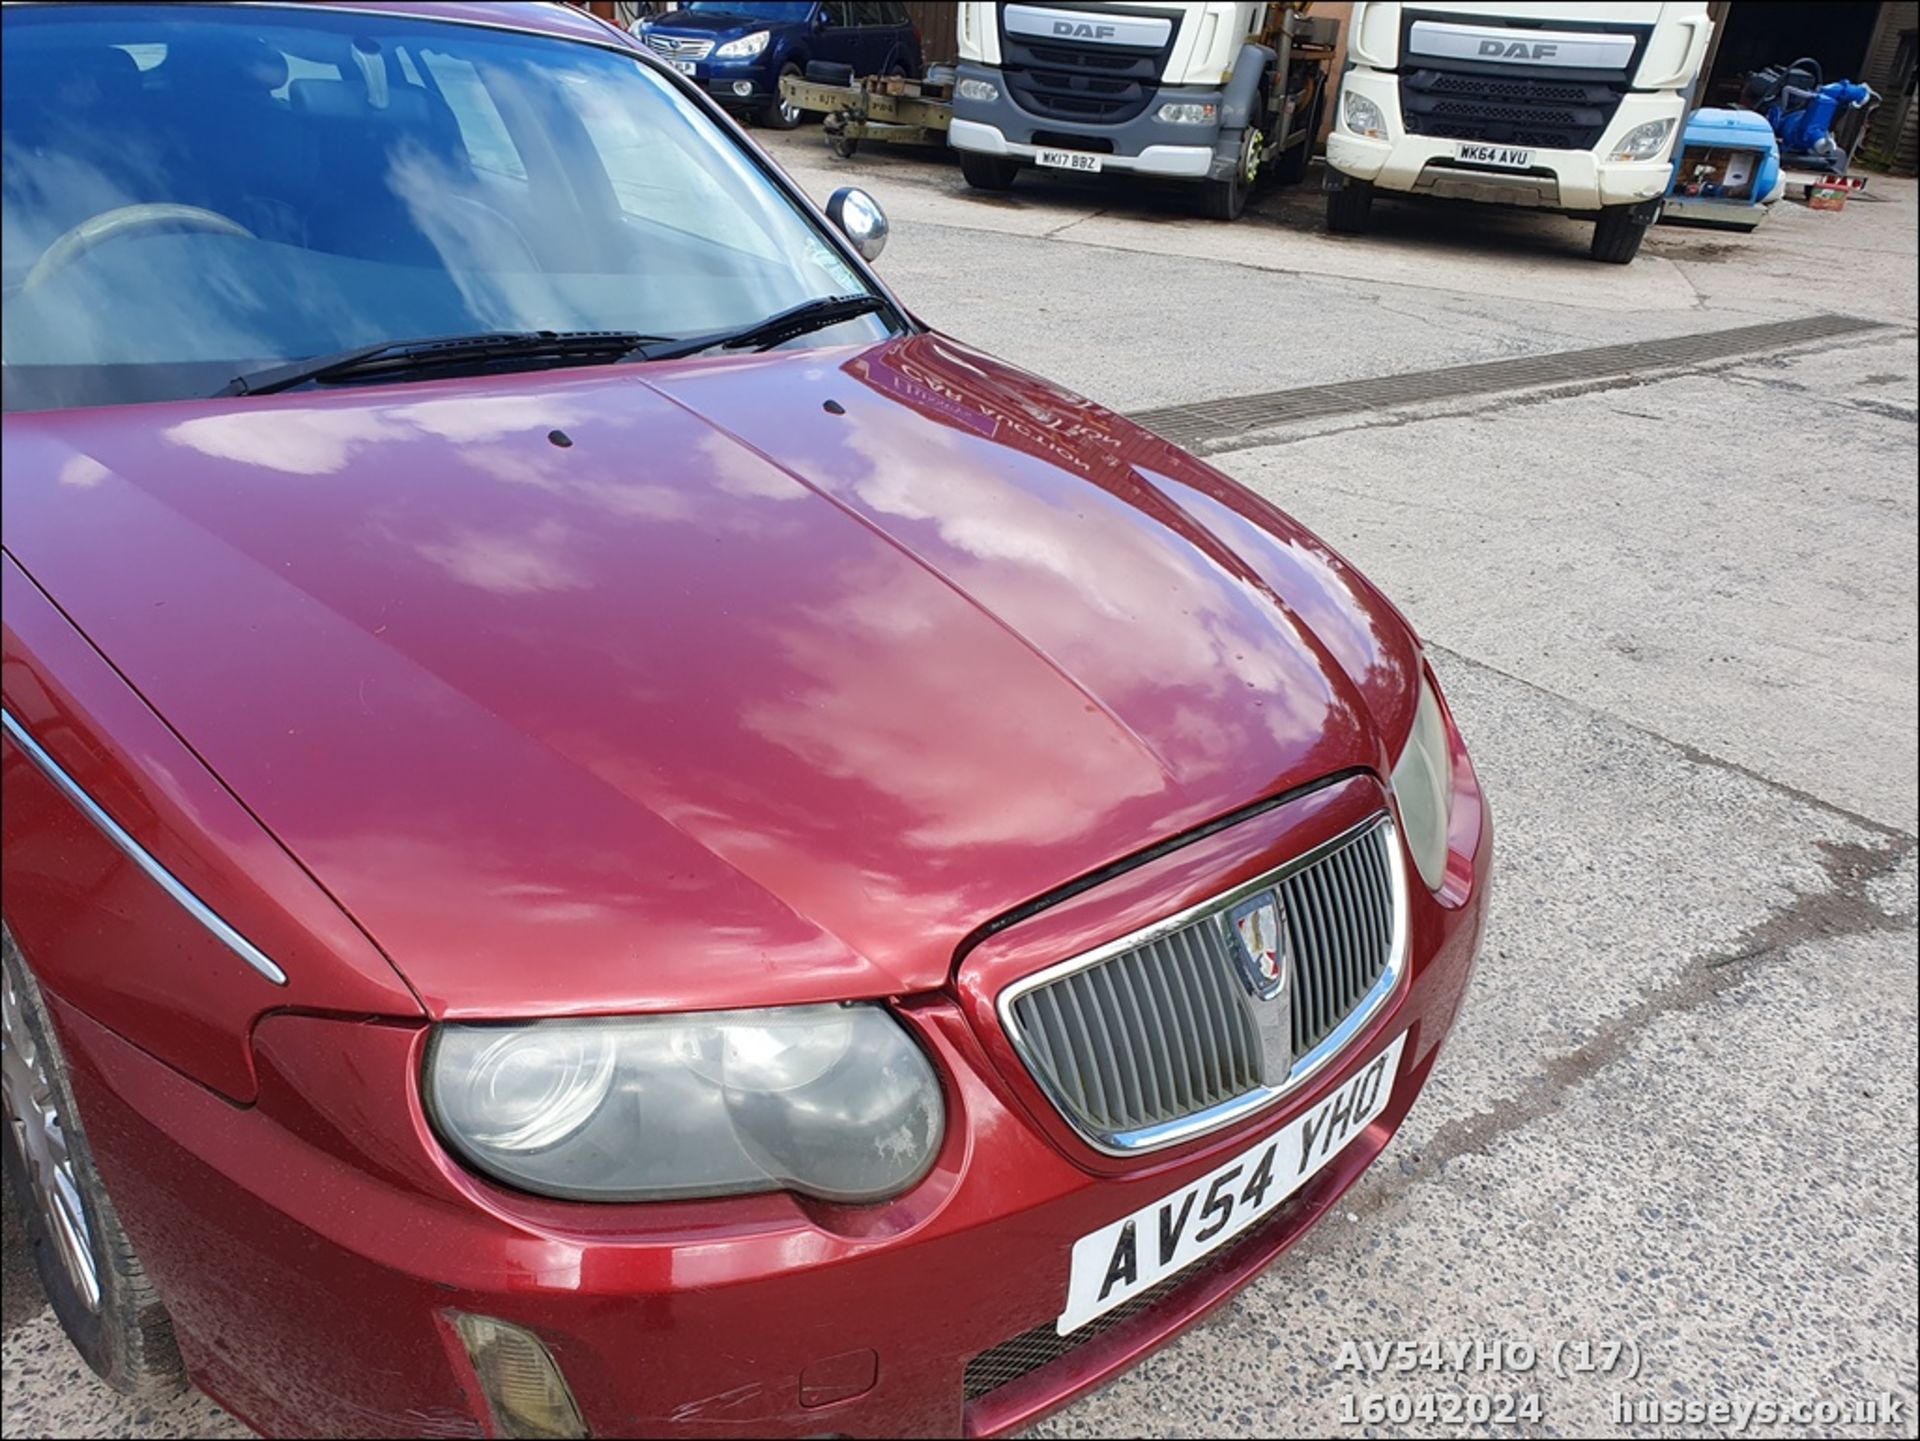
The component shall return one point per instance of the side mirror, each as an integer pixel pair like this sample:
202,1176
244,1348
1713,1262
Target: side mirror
821,20
858,216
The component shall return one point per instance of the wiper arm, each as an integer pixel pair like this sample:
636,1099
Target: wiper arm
765,334
402,357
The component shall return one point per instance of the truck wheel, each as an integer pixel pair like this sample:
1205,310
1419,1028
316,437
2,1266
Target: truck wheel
1226,199
988,172
1617,233
1350,208
780,113
86,1263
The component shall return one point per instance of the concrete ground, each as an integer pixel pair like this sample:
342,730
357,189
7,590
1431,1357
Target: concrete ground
1675,614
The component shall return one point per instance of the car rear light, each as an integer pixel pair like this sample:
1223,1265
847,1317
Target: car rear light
524,1389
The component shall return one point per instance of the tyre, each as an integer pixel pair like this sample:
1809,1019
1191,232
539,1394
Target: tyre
1618,232
1350,207
86,1263
1226,199
778,112
988,172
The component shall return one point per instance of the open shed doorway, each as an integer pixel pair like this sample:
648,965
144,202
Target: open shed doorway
1754,35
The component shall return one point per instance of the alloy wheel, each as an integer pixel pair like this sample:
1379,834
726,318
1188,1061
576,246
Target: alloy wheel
33,1113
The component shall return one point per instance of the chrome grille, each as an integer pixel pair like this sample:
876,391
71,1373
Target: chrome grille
680,47
1157,1038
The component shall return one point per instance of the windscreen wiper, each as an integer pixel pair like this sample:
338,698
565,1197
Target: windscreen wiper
765,334
392,359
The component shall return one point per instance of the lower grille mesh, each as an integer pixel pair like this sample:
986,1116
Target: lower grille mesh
1022,1355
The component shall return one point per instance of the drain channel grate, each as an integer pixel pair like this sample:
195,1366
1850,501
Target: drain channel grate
1209,424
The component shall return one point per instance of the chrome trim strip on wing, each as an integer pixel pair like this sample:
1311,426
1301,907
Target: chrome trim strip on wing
135,852
1305,1067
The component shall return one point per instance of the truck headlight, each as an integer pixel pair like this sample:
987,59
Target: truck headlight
745,46
977,90
1362,116
1643,142
832,1101
1423,787
1178,112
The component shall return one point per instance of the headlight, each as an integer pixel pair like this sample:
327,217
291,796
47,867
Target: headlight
1423,785
977,90
1643,142
833,1101
1187,113
1362,116
746,45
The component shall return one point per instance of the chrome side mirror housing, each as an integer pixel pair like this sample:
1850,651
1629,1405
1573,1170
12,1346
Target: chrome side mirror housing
858,216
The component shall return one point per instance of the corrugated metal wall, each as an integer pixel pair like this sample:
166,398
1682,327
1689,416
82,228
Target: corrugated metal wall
1889,69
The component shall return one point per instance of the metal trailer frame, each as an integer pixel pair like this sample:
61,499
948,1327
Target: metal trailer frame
890,108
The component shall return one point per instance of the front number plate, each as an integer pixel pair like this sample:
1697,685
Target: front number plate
685,67
1119,1261
1502,155
1069,160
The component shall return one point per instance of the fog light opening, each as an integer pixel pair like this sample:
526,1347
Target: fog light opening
743,87
524,1389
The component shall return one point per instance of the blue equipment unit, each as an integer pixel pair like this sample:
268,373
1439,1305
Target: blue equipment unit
1726,170
1802,110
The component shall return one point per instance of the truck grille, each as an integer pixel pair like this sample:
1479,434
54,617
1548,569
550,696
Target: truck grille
1160,1040
1091,84
680,47
1508,109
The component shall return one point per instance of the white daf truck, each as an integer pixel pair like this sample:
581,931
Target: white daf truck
1573,107
1218,95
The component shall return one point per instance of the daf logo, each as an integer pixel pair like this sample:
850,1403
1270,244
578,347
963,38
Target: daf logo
1082,30
1262,953
1518,50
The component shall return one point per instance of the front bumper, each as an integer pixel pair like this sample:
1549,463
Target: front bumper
1144,145
310,1247
1571,180
722,78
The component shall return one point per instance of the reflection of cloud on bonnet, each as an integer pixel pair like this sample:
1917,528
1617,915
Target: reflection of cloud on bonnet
738,471
945,729
1054,571
295,442
322,440
82,471
509,564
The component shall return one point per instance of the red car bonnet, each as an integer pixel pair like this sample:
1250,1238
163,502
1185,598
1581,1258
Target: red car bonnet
738,699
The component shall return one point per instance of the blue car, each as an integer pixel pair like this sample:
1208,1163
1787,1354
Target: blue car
737,50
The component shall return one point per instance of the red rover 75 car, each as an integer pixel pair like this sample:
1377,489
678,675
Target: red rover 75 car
606,834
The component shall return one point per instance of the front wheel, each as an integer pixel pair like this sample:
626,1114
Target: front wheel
1227,199
988,172
1350,207
1618,232
780,113
86,1264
